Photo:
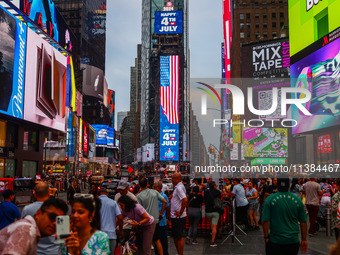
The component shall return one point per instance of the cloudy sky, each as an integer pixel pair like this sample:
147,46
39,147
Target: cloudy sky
124,33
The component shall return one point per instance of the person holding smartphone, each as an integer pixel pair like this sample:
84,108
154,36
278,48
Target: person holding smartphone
86,237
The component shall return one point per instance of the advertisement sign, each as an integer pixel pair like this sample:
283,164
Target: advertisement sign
266,65
93,82
227,31
96,24
45,90
169,115
310,20
268,161
13,34
70,134
318,72
233,151
79,104
80,138
265,142
45,15
104,136
169,22
85,139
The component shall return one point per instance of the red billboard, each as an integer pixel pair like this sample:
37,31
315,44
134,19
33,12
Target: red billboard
85,139
227,35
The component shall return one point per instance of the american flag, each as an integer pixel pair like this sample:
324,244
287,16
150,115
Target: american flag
169,73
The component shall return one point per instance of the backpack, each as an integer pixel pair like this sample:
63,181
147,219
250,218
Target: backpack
217,204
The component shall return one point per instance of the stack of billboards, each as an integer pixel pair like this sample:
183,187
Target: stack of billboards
264,66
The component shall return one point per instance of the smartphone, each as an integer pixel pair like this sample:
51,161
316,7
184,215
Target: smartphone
63,228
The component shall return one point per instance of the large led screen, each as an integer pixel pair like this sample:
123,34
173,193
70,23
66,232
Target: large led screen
318,71
169,115
45,89
13,35
94,82
169,22
266,65
45,15
265,142
104,136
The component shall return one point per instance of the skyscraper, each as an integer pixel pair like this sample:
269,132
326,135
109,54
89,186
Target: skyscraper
155,45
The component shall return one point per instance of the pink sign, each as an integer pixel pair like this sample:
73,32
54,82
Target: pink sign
250,133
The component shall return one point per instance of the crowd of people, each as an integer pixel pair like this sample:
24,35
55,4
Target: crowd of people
141,219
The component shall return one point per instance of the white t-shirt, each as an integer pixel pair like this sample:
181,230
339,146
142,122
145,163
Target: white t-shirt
176,201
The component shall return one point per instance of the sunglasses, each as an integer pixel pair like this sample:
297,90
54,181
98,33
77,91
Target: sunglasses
51,215
87,196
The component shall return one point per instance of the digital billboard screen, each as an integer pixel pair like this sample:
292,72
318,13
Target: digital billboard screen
169,103
94,82
45,85
45,15
169,22
104,136
318,71
266,65
13,34
265,142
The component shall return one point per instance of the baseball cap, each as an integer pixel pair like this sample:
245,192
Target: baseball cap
122,185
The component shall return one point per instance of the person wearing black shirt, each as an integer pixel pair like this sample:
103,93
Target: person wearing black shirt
272,188
71,191
209,197
194,214
262,191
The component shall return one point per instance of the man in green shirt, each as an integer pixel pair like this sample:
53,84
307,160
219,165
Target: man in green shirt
282,213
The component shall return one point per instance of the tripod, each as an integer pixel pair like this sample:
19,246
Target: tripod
232,233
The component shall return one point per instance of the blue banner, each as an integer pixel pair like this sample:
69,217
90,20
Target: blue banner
104,136
169,22
12,64
169,116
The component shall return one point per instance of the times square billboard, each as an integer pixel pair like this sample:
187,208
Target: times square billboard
169,108
169,22
264,66
316,68
13,34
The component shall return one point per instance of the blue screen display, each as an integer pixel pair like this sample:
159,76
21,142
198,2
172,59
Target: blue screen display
169,22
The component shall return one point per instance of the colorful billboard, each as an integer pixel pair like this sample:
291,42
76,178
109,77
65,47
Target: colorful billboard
104,136
45,15
227,31
265,142
45,90
265,65
111,105
70,133
13,34
85,139
169,22
310,20
318,71
169,103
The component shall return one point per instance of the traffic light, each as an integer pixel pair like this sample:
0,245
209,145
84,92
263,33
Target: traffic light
66,160
147,154
186,154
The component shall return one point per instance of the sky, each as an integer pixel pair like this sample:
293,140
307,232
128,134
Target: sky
123,33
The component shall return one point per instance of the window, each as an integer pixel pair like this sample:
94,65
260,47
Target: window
265,34
257,15
241,25
257,25
248,15
248,34
29,168
273,24
241,16
281,15
274,34
248,25
265,25
242,35
31,140
257,34
273,15
264,15
281,24
264,2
